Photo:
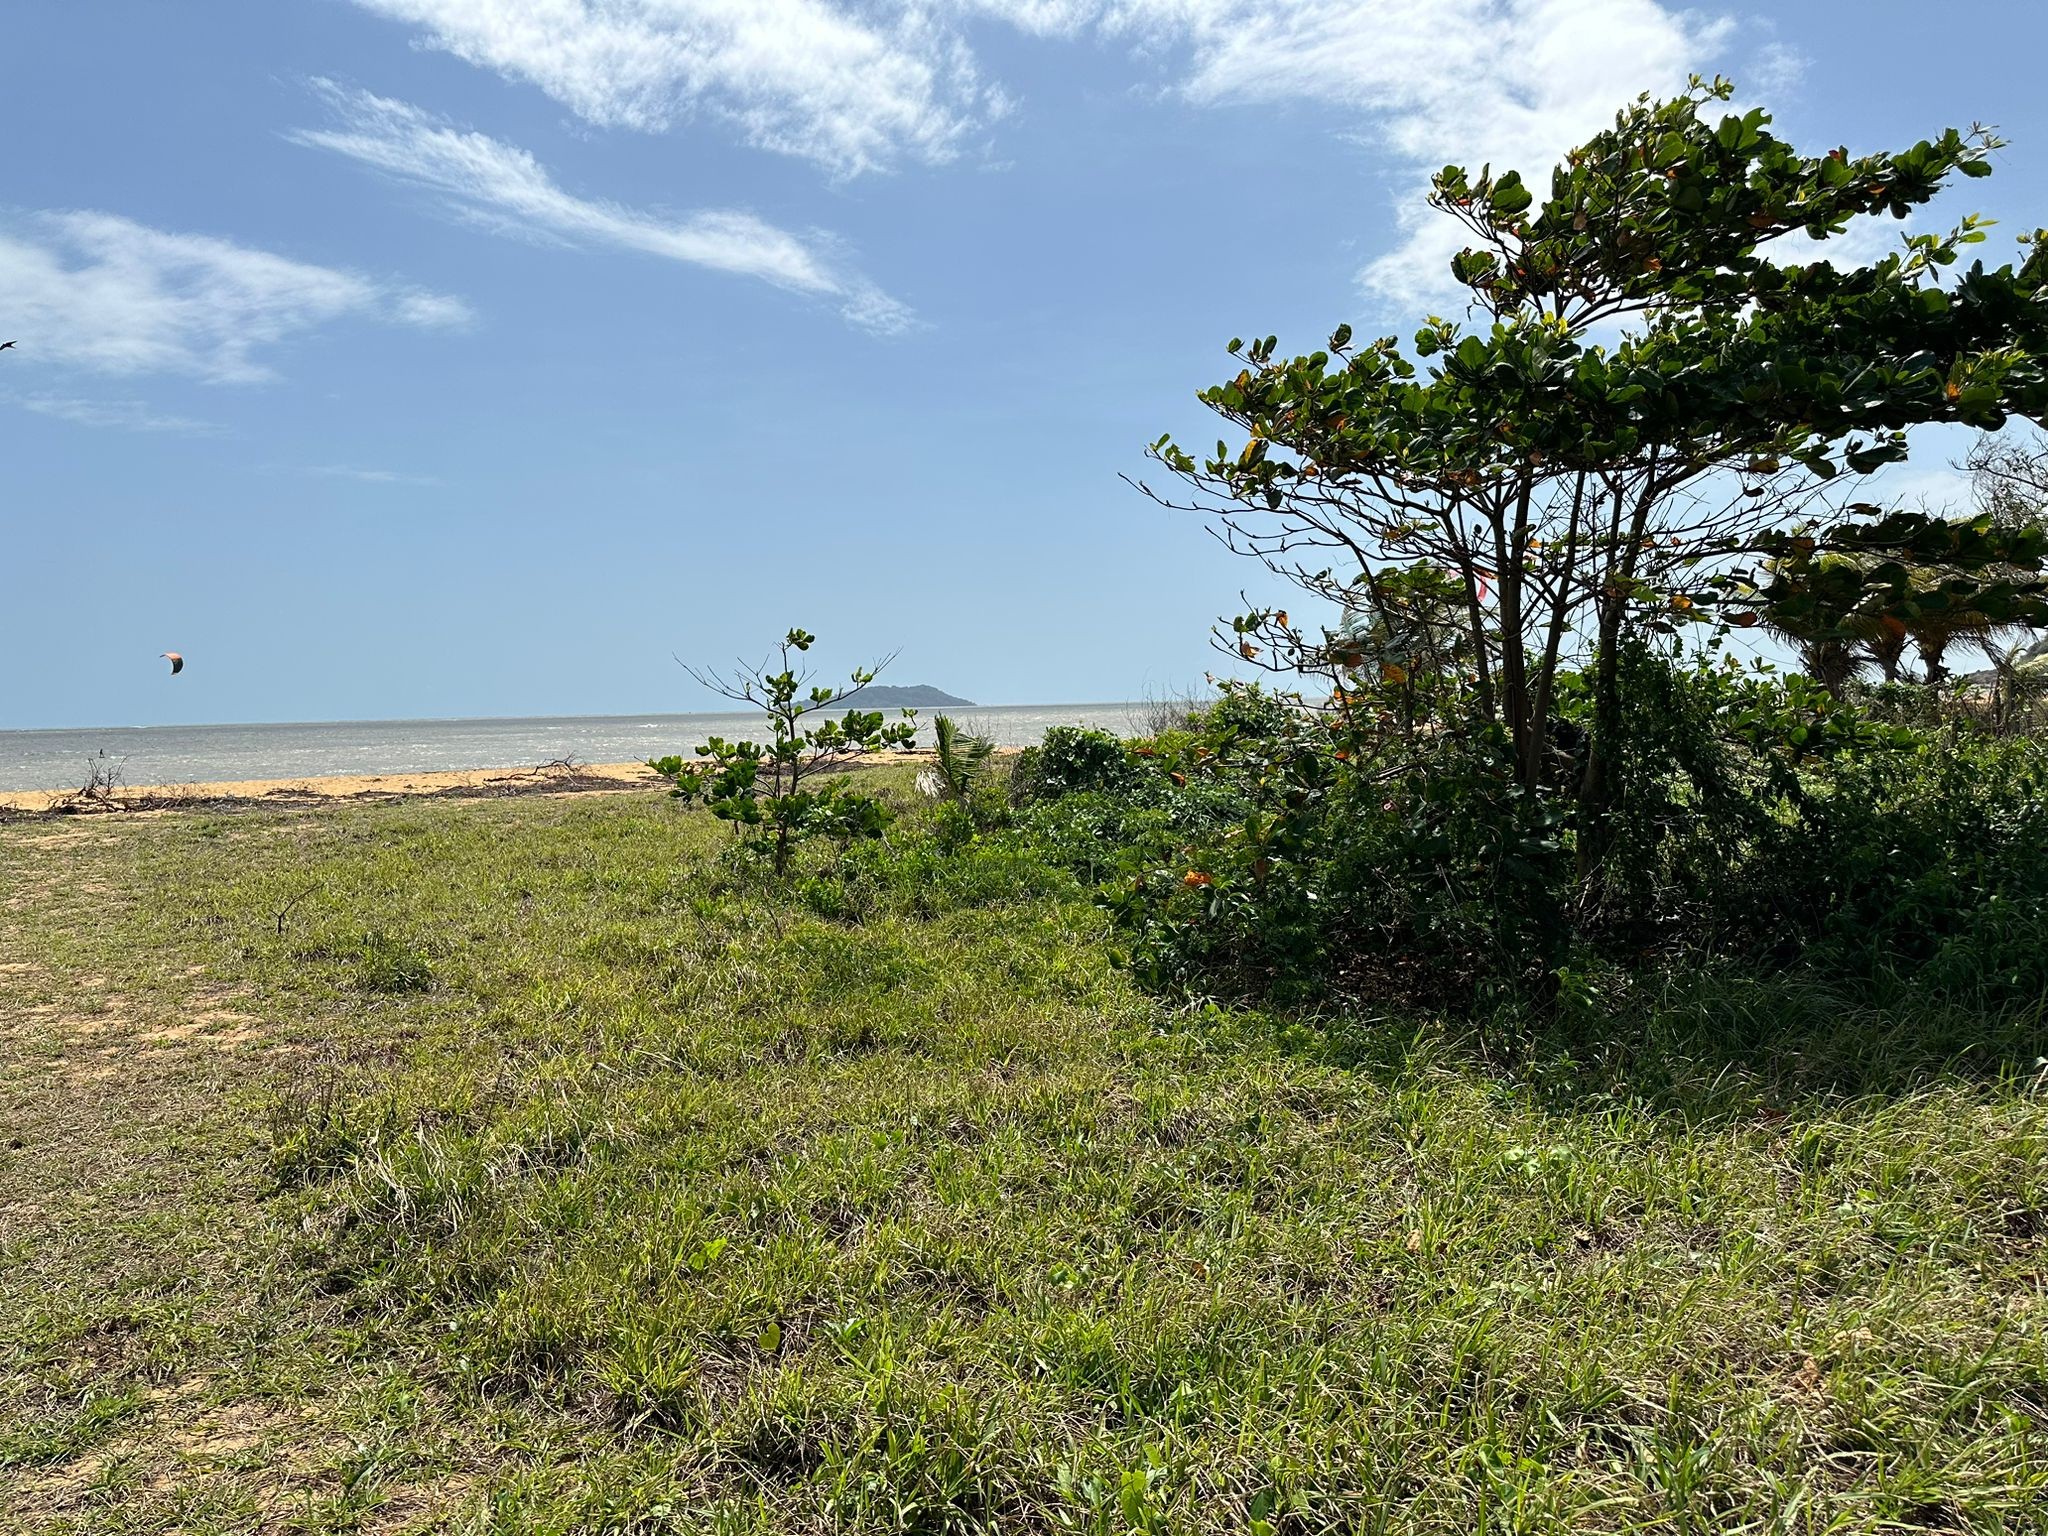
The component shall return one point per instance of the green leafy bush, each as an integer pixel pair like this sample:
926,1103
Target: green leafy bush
1931,865
778,793
1068,761
1315,856
1330,877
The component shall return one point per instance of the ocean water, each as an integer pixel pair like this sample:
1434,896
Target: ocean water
201,754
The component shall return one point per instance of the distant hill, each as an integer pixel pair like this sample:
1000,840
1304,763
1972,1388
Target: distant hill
916,696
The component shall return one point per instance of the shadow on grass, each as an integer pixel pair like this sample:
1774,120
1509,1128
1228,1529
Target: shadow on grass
1710,1045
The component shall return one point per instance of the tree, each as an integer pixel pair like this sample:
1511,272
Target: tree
1578,488
2009,477
1934,583
958,759
761,787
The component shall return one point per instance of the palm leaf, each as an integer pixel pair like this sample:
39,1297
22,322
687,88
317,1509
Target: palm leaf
961,756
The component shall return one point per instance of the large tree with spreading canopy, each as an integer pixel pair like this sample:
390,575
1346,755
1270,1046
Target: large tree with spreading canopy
1650,414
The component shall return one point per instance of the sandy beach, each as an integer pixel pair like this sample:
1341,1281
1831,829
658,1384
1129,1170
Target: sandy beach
582,779
467,783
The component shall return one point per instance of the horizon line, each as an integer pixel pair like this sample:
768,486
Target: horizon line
680,714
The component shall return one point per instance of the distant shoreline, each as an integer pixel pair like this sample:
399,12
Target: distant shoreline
399,720
282,752
582,779
321,789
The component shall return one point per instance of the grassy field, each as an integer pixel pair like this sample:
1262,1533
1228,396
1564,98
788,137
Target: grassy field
516,1166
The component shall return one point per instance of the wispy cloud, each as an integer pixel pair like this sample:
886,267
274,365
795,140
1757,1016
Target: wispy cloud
127,415
1547,74
370,476
1429,82
864,85
1775,69
102,292
505,188
852,88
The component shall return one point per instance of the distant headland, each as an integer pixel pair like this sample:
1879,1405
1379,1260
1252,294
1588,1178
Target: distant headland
915,696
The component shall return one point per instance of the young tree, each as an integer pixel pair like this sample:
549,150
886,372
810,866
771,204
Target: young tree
1647,396
958,759
771,792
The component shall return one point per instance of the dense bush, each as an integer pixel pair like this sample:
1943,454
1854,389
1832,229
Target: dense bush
1067,761
1932,864
1322,855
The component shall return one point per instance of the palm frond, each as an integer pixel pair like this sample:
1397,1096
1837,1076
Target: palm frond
961,756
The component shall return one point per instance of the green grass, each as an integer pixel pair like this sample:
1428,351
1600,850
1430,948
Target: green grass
516,1166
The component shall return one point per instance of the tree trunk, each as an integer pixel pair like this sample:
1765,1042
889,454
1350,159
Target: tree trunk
1514,661
1934,651
1596,787
1546,676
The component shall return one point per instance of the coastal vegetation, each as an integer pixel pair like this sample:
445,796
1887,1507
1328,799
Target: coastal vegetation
1643,432
759,787
530,1165
1530,1065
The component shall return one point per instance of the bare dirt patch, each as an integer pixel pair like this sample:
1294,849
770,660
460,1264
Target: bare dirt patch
179,1445
216,1028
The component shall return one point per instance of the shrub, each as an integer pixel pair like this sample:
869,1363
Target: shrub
1337,878
1315,857
771,792
386,964
1931,866
1070,760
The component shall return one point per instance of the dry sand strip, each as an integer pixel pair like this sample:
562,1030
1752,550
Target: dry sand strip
583,778
550,779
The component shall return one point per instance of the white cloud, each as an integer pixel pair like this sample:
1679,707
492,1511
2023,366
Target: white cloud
1514,83
128,415
1777,69
1548,73
1865,241
861,85
851,88
505,188
101,292
370,476
1920,487
434,310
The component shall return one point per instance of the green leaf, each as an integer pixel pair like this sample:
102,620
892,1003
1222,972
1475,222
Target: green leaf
1509,196
706,1254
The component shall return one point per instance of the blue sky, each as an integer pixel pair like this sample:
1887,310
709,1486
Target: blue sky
474,357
